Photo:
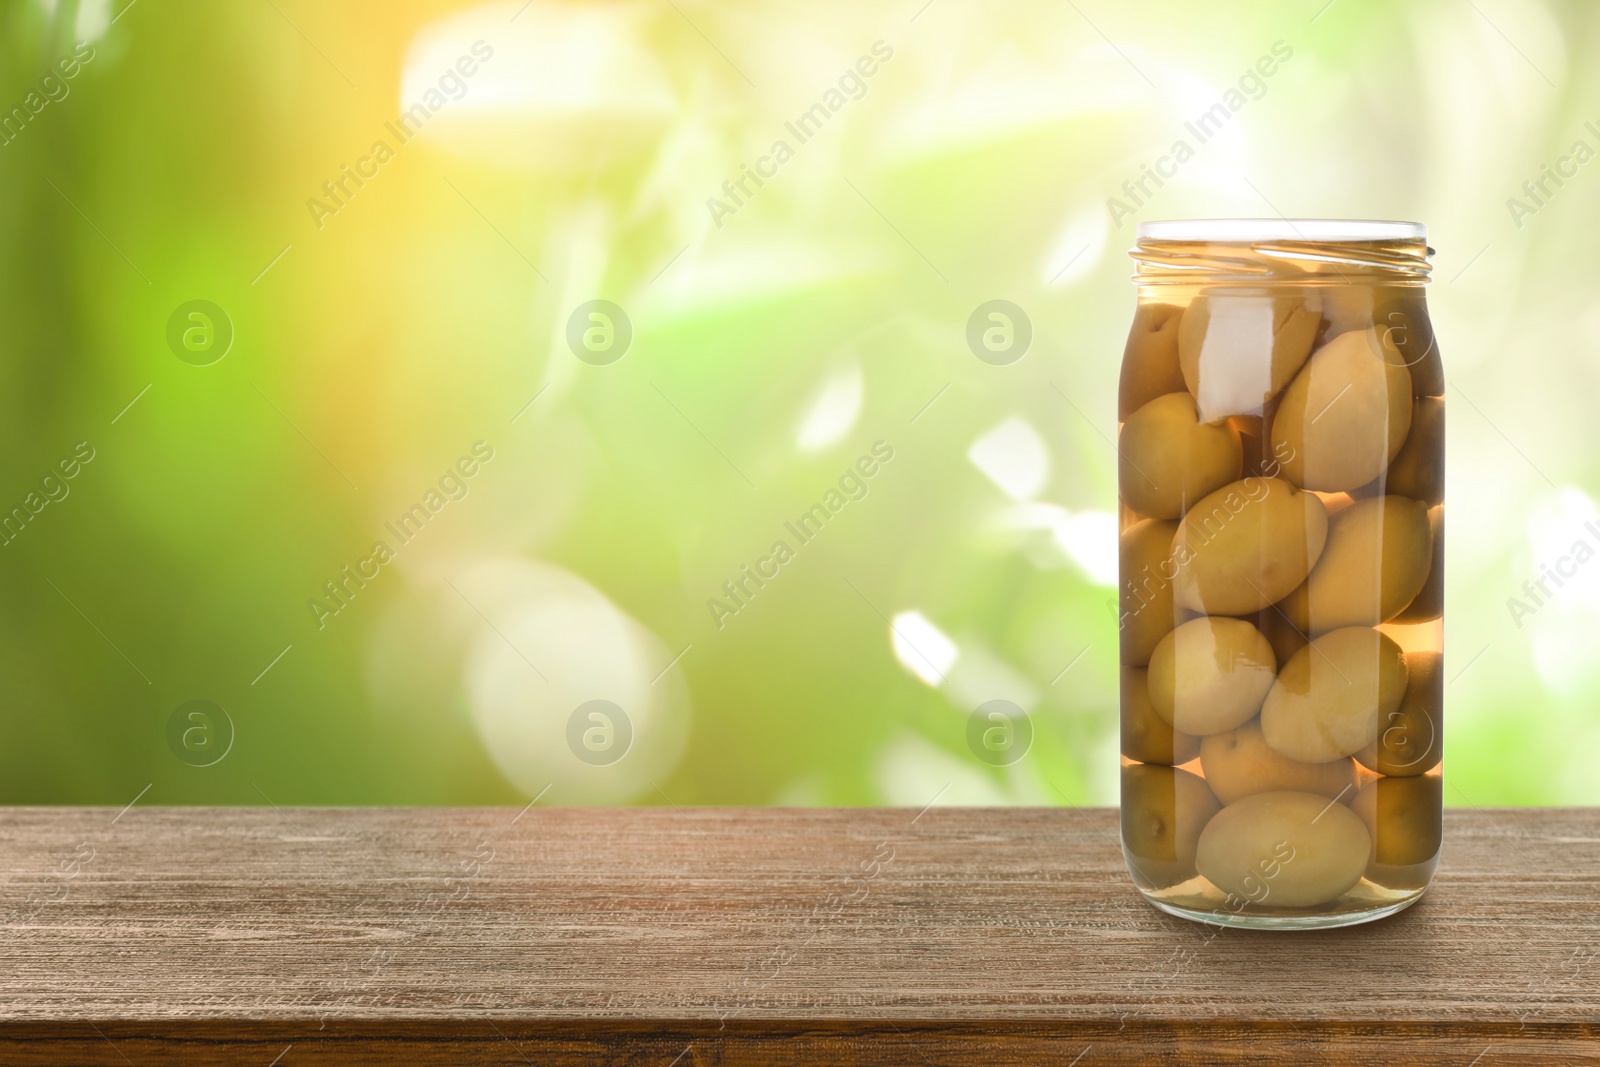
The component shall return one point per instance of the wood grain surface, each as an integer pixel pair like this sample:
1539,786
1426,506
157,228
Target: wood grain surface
752,936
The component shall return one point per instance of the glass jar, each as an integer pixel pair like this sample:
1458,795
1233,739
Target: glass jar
1281,492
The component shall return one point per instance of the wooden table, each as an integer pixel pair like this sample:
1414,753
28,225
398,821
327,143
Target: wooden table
752,936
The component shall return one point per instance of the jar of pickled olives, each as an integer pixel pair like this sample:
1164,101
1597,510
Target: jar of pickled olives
1281,485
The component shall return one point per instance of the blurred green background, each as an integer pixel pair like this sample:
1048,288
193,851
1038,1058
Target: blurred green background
385,325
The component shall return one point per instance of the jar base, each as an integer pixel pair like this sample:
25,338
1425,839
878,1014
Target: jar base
1256,921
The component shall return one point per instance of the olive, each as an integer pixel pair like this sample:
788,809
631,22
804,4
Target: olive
1150,359
1284,849
1146,736
1239,762
1404,817
1429,604
1147,614
1329,699
1411,738
1346,414
1418,468
1247,545
1375,562
1168,459
1210,674
1164,809
1401,317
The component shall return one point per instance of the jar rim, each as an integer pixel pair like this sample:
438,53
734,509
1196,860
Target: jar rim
1229,231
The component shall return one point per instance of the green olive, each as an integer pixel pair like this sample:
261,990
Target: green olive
1210,674
1246,546
1150,359
1374,564
1168,459
1404,817
1345,415
1284,850
1418,468
1146,736
1411,738
1238,349
1239,762
1429,604
1402,319
1329,699
1163,812
1147,614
